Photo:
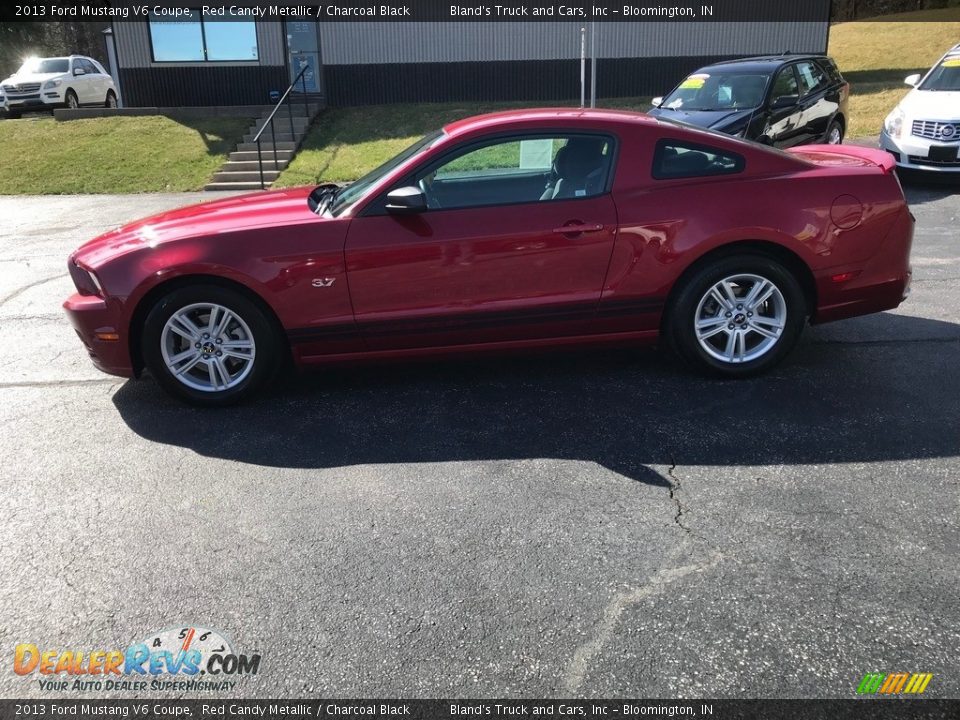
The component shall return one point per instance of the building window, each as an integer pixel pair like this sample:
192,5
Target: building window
197,40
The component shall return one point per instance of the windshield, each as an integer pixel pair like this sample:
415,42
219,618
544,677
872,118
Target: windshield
718,90
352,192
41,65
946,76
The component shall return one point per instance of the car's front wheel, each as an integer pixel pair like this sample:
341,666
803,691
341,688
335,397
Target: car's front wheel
737,316
71,99
209,345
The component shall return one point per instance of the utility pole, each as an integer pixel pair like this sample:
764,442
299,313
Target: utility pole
583,66
593,63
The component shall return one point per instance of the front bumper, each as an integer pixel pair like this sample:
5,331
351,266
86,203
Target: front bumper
911,153
40,100
92,318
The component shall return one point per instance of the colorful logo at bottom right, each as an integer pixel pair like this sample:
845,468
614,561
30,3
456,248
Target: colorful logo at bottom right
894,683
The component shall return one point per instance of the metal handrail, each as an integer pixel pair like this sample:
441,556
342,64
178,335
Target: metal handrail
273,133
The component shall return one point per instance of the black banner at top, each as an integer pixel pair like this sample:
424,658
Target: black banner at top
425,10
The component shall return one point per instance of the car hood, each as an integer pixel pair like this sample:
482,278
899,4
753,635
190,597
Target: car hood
219,217
931,105
702,118
32,78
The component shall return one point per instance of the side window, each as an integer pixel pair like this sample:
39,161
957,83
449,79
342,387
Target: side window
89,67
520,169
785,84
680,159
830,67
812,77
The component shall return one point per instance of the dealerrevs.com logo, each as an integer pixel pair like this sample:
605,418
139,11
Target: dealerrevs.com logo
180,659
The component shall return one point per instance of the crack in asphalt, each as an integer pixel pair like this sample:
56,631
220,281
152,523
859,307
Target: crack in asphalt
19,291
29,318
583,656
675,486
58,383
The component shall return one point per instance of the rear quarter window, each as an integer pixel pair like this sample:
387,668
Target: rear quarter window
682,159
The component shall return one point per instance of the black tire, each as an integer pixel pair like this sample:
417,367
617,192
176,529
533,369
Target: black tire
13,115
111,96
835,127
267,354
71,99
685,310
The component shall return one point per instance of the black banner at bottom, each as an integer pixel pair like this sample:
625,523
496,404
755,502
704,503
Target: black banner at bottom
872,708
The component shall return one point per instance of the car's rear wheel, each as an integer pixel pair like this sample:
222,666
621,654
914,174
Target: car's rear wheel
835,133
111,101
737,316
71,100
209,345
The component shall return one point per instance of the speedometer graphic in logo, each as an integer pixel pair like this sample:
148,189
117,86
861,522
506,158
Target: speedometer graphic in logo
192,638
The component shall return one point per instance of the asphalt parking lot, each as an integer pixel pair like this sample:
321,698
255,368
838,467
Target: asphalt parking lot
597,524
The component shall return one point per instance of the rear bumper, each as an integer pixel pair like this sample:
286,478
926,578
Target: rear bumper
882,283
93,317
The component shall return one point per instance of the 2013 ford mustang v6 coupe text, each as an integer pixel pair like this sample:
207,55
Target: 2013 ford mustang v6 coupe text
515,230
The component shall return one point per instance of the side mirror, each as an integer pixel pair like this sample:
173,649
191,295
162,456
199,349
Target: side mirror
406,200
79,71
657,101
784,101
912,80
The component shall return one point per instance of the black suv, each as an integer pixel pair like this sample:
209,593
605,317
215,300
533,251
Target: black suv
780,100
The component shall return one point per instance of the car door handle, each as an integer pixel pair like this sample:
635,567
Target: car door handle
577,228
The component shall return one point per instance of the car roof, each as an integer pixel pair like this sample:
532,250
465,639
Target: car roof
764,62
955,50
536,115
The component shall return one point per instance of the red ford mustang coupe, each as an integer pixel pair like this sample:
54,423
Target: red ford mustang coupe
515,230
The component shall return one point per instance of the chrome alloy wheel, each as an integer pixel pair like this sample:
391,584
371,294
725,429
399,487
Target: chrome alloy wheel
836,136
207,347
740,318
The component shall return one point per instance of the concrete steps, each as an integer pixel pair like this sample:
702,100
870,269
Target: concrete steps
242,169
251,156
224,175
252,146
232,186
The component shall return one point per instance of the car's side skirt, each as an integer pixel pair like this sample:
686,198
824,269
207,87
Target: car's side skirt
532,317
643,337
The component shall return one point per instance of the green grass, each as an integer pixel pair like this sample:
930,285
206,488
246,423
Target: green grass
345,143
114,155
876,56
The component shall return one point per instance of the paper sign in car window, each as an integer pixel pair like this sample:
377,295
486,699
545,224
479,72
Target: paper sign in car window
952,62
536,154
694,82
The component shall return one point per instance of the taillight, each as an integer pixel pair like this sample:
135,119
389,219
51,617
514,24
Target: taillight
86,282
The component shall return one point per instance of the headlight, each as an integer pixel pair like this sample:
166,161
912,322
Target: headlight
894,123
51,84
86,282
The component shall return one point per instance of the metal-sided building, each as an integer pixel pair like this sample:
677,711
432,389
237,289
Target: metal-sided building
197,62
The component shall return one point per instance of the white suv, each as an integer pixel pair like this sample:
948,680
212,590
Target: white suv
923,131
71,82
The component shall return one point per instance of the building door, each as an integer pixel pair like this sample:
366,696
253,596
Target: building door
303,45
